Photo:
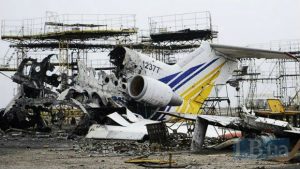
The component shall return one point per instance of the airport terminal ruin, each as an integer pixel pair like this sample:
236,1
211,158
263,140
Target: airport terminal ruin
56,102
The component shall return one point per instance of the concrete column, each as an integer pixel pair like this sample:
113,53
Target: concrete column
199,135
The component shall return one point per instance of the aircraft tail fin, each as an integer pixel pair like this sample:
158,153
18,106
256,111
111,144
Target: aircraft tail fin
201,71
207,66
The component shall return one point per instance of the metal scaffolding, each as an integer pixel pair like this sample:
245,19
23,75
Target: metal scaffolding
281,76
71,34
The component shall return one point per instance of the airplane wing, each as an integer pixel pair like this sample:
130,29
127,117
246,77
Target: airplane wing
221,121
244,52
191,117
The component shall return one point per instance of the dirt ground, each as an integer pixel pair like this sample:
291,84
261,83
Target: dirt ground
19,150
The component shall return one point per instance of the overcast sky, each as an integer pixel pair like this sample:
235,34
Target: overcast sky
240,22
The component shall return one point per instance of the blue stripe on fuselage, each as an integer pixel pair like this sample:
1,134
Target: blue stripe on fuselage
195,74
184,74
168,78
167,108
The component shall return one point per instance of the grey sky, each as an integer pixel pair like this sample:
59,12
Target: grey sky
240,22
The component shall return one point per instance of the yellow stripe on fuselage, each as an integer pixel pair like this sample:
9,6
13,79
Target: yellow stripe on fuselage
194,96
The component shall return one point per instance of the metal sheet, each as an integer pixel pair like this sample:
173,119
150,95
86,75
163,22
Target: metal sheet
243,52
275,106
116,117
134,131
180,115
272,122
113,132
222,120
131,116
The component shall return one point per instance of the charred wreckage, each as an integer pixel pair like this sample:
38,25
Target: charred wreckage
102,98
33,95
117,105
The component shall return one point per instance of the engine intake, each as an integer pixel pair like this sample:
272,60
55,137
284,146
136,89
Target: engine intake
153,92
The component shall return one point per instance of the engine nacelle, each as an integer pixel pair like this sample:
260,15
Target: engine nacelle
153,92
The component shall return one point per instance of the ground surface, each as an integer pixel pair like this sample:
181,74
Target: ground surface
27,151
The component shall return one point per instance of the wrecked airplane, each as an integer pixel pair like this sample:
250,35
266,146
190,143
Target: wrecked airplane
138,80
138,83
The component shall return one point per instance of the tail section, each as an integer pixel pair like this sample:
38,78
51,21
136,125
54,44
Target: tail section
192,78
201,70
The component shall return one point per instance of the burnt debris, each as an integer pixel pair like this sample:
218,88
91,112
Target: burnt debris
117,57
34,95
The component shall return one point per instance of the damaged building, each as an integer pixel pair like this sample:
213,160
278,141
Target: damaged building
143,92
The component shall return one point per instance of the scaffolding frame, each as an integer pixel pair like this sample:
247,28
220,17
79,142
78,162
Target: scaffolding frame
285,74
98,33
67,33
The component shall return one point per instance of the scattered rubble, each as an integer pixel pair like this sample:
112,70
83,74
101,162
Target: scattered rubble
114,147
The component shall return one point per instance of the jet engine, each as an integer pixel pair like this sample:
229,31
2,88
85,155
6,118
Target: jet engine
152,91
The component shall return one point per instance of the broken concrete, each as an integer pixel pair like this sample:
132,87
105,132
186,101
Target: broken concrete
199,135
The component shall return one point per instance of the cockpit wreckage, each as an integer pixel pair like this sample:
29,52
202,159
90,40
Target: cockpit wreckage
125,100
